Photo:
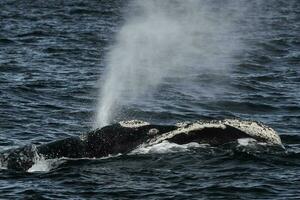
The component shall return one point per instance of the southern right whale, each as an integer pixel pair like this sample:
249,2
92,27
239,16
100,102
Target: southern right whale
126,136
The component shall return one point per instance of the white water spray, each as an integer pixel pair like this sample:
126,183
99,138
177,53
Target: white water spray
162,39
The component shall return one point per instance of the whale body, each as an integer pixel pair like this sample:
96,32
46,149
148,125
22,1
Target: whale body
126,136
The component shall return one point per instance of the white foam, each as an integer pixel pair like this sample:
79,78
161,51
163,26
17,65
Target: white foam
41,164
45,165
3,165
166,147
246,141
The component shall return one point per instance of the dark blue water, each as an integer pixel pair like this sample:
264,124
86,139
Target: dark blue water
51,58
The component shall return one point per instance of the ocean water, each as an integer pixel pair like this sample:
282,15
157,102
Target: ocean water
53,62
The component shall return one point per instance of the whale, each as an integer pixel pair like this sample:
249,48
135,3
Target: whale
125,136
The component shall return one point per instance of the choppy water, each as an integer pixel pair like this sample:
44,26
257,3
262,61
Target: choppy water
51,57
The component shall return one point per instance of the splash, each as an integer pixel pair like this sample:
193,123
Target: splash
164,39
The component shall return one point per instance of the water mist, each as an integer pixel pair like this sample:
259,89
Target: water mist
162,39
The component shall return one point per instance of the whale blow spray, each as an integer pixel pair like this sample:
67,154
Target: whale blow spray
162,39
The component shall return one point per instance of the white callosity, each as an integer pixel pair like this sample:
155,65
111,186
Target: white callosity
133,123
251,128
153,131
187,128
255,129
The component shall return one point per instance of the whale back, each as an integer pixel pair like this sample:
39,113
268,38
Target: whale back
218,132
123,137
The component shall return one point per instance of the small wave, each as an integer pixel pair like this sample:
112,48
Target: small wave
83,11
242,106
5,41
33,33
290,139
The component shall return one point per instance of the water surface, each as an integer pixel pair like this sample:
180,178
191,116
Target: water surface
52,55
